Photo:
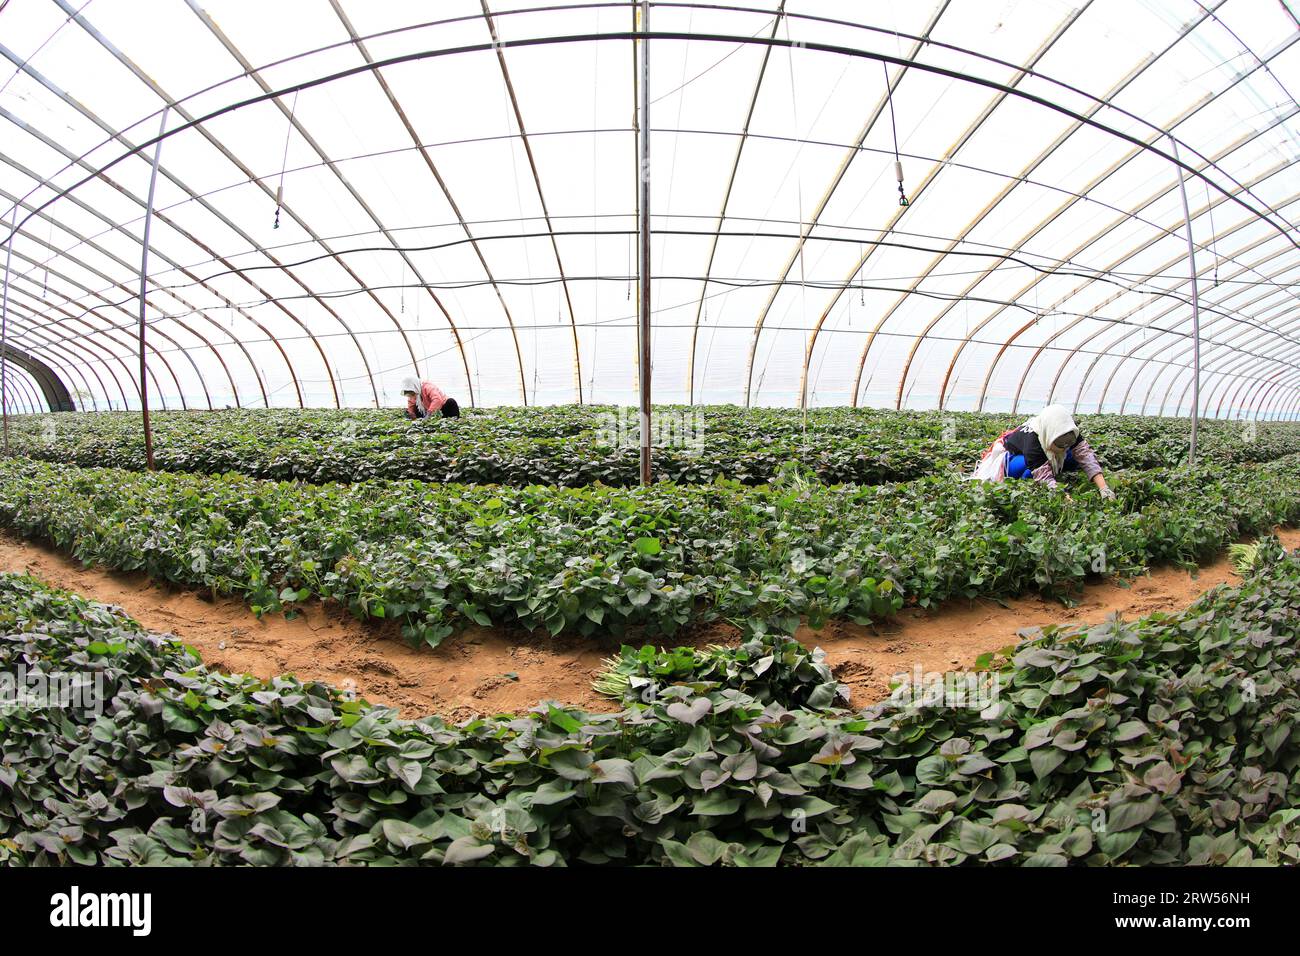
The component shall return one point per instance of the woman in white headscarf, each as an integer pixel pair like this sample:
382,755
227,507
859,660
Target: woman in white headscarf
424,399
1042,448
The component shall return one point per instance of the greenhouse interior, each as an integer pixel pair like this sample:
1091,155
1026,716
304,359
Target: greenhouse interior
790,433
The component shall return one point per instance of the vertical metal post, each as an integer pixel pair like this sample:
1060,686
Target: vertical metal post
644,230
144,273
1196,312
4,331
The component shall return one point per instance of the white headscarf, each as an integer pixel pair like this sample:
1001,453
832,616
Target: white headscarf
1049,425
412,384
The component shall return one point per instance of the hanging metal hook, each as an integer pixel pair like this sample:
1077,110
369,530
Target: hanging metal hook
284,162
893,125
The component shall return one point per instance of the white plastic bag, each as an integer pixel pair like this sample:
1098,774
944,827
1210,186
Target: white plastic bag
993,466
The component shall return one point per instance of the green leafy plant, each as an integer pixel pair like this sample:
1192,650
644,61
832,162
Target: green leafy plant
1165,741
572,446
640,563
766,668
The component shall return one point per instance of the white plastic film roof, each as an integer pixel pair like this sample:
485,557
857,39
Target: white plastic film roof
466,210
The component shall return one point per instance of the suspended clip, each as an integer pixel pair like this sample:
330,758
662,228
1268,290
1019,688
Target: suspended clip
898,173
284,162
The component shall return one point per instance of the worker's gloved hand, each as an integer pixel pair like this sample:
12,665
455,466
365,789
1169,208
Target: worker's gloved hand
1107,494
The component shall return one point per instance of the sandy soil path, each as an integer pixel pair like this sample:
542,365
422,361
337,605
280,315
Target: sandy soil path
485,671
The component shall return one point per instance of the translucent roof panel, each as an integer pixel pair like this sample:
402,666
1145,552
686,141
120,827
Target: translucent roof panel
348,193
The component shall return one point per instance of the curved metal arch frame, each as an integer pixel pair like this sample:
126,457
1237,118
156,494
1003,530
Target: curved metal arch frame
984,213
1236,358
53,346
1265,401
1033,359
651,35
35,399
99,294
541,195
1223,397
1283,379
17,401
805,229
115,136
1056,214
1219,309
1149,326
92,360
41,381
98,337
28,403
71,366
1095,237
53,390
736,8
1254,267
106,303
760,136
49,382
1119,164
726,203
1250,335
361,48
96,355
21,379
614,37
255,75
92,243
170,102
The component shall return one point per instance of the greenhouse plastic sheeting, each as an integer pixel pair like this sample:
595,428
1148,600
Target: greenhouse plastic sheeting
352,192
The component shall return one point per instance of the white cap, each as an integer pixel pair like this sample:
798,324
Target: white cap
410,384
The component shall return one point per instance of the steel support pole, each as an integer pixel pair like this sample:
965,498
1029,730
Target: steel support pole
4,331
1196,311
144,273
643,364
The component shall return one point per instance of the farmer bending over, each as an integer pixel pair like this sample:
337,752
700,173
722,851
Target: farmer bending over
424,399
1042,448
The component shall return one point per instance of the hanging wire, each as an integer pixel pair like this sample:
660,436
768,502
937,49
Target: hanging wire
284,162
798,171
595,241
862,286
1209,206
45,283
893,125
794,107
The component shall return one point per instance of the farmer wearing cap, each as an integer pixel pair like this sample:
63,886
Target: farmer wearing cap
1042,448
424,399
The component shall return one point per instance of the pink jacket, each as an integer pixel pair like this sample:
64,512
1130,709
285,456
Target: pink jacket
431,396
